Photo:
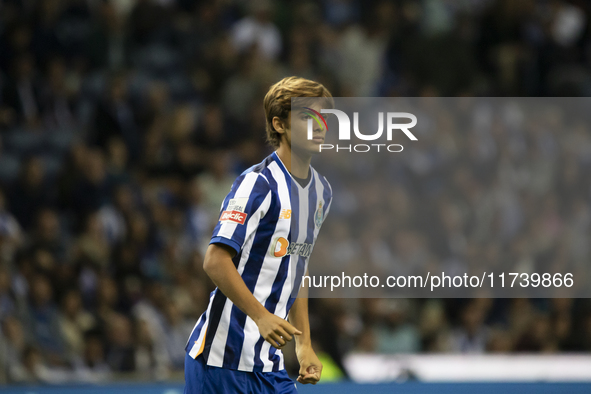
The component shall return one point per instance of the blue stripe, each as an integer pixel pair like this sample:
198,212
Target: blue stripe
252,268
216,310
258,364
230,196
195,334
273,300
295,223
235,339
312,205
259,191
300,260
295,229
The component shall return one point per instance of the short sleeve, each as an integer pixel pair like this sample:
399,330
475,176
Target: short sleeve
242,209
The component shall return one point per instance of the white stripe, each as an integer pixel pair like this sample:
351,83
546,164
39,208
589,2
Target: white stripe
319,197
268,365
251,229
218,345
330,202
269,269
251,331
227,228
304,211
201,338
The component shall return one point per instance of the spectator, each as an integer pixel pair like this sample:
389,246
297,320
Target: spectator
177,331
11,235
7,300
151,357
15,341
472,336
115,117
256,30
30,193
92,245
24,91
92,368
93,190
120,348
74,321
48,237
393,334
43,323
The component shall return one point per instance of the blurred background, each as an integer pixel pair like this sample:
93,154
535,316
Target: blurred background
123,124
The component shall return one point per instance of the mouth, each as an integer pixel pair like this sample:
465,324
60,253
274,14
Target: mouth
318,139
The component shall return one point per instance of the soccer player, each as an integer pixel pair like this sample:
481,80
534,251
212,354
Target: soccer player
257,256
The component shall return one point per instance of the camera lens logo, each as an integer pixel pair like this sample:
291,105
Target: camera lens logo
316,116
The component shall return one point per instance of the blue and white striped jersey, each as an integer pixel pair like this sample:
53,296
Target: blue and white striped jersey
272,222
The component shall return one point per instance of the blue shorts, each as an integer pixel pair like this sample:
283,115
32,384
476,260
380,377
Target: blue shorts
204,379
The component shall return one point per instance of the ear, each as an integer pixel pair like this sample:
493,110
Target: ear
278,125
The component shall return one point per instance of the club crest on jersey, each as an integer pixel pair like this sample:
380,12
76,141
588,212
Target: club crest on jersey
319,215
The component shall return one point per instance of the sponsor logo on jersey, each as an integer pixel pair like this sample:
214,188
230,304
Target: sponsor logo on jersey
233,216
285,214
300,248
235,211
237,204
282,247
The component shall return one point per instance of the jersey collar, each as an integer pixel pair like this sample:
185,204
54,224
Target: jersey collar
288,174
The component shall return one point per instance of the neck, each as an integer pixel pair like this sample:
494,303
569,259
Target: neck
297,165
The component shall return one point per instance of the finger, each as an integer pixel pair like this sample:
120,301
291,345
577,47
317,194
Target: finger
308,379
310,373
280,331
291,329
305,381
314,377
278,340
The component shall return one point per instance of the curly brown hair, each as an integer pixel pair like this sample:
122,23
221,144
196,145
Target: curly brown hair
278,101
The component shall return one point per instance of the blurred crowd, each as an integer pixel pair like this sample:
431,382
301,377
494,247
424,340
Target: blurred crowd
488,187
123,124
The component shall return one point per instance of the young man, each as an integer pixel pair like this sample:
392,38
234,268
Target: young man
257,256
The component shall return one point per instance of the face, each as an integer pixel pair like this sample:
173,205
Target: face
296,131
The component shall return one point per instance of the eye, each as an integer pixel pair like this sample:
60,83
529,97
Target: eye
305,117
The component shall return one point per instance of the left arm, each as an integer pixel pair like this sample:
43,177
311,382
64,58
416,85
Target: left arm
310,365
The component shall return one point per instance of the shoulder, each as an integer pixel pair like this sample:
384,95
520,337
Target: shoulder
260,167
254,180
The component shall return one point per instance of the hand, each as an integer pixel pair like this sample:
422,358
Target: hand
310,366
276,330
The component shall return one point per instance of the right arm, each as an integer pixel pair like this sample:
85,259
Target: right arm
218,265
